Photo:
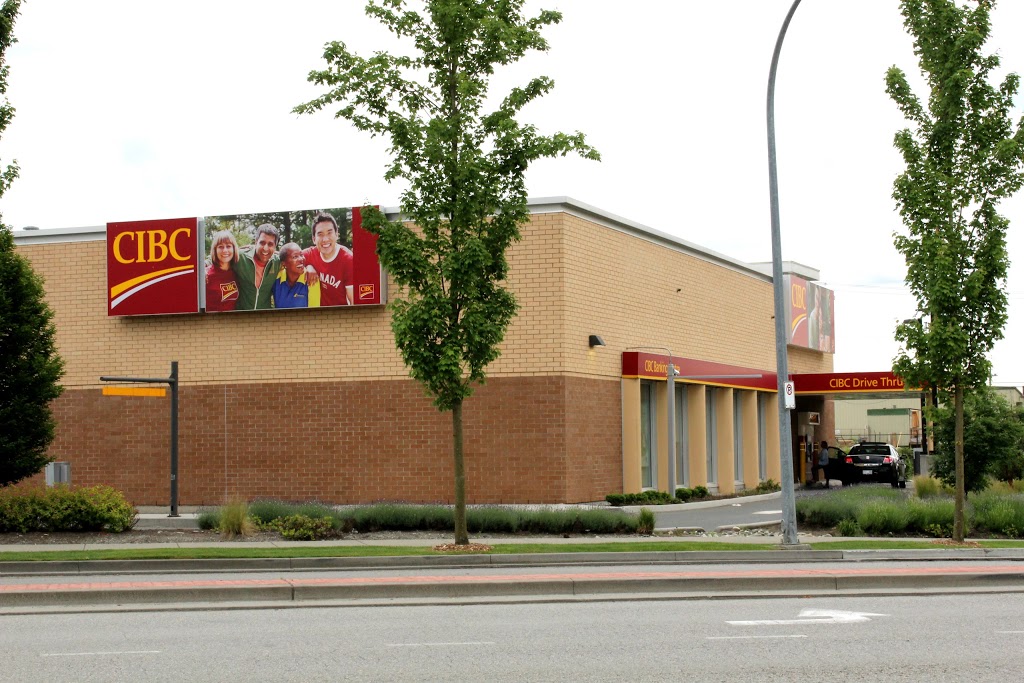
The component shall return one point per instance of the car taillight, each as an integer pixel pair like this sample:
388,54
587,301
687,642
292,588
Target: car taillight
849,460
888,459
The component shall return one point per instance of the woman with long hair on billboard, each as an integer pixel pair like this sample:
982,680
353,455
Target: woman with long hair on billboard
221,285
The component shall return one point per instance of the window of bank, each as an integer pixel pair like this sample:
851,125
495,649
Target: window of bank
647,432
682,439
711,423
737,436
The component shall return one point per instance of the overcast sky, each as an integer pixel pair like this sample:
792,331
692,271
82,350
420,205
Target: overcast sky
130,110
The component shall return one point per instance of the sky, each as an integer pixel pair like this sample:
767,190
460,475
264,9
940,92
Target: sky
131,110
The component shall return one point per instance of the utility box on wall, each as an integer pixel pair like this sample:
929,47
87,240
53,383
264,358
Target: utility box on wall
58,473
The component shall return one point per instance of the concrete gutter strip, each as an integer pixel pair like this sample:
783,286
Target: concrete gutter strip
108,567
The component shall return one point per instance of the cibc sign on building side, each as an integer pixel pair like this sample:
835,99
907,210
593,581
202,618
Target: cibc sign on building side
261,261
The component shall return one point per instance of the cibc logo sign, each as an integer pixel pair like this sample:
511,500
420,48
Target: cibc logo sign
153,267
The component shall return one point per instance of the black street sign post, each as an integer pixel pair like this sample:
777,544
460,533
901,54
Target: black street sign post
173,382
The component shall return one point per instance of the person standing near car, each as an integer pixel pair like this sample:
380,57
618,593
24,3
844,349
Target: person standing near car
822,463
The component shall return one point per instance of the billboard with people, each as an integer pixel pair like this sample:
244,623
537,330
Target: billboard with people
309,258
811,310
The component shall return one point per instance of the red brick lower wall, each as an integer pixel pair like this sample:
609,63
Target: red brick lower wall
529,439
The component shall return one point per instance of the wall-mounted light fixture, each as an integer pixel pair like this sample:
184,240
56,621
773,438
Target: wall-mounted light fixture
595,340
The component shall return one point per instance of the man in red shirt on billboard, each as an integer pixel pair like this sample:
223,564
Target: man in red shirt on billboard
332,260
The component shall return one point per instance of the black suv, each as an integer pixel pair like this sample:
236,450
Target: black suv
875,461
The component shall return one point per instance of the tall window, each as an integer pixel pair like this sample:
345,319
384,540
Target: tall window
762,436
647,443
682,439
737,435
711,423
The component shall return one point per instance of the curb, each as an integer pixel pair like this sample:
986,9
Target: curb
802,553
601,586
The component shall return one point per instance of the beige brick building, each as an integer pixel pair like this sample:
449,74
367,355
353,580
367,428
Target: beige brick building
316,404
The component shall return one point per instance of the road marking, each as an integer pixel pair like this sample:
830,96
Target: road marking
482,642
750,637
100,654
814,616
767,512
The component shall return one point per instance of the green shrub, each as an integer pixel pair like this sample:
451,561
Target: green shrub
235,521
479,520
304,528
926,487
883,517
700,492
928,515
768,486
826,511
849,527
642,498
392,517
94,508
997,513
683,494
646,522
208,520
263,512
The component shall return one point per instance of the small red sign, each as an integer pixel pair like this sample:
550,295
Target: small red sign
366,292
153,267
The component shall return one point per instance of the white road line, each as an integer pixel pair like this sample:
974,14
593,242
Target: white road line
483,642
750,637
767,512
814,616
100,654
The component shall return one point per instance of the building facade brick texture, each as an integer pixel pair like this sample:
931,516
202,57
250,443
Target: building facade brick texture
317,404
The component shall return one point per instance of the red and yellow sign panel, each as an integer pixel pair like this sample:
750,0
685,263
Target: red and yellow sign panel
153,267
849,382
655,366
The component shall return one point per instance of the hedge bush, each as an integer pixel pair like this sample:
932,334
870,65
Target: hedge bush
94,508
396,517
642,498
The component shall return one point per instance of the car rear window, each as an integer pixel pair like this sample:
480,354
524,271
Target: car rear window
869,450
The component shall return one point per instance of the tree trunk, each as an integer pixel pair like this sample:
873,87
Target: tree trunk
958,451
461,535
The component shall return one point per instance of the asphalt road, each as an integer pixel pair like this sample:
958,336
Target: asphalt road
739,512
923,639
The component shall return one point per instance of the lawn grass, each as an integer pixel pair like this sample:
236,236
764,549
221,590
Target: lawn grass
904,544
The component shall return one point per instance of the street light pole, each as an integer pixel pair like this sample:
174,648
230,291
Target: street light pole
789,534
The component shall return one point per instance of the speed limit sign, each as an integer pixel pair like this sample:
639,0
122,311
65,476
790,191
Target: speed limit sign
790,397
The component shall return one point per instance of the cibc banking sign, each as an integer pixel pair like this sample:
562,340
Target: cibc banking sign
153,267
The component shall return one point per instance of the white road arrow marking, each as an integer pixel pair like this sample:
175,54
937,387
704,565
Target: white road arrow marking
814,616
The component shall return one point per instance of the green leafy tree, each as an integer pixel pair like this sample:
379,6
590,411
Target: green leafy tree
464,168
1008,465
29,365
963,155
993,432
